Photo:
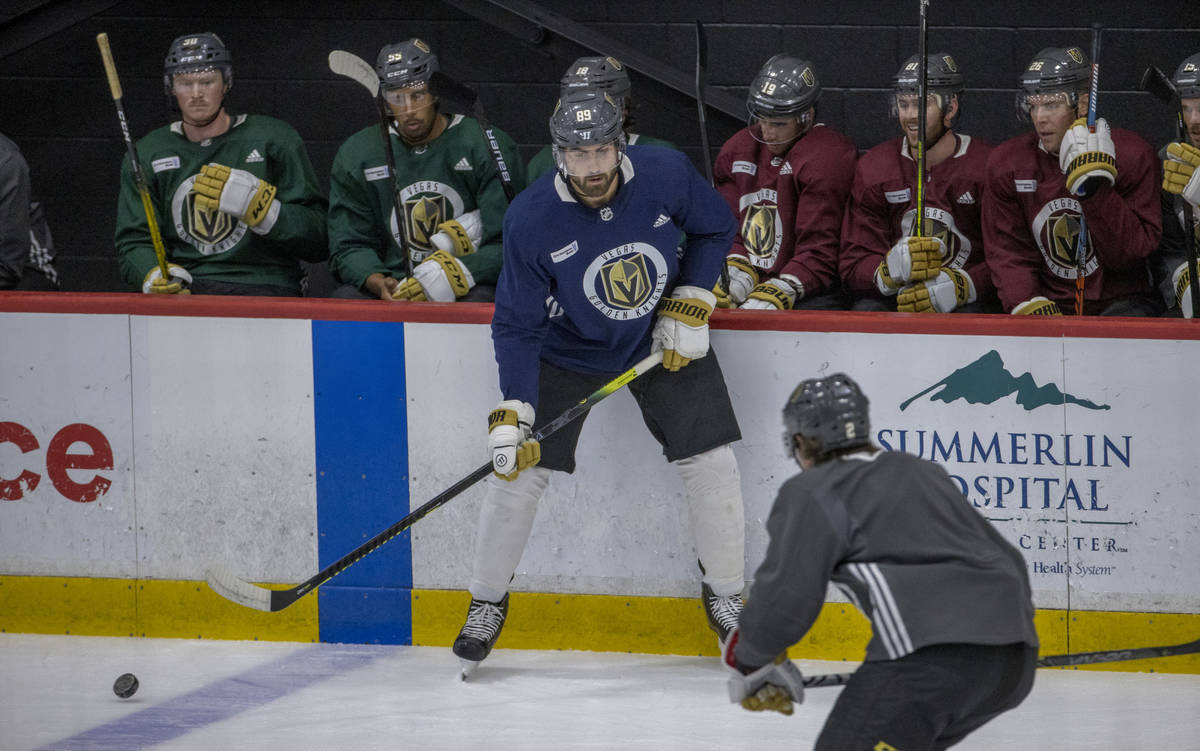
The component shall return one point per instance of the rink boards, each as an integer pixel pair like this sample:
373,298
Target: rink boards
143,440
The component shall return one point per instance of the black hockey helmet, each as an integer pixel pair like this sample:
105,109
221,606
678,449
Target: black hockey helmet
197,53
405,64
1187,78
604,73
941,75
785,86
831,412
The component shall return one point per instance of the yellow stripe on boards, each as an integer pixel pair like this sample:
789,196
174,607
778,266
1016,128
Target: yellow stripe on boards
154,608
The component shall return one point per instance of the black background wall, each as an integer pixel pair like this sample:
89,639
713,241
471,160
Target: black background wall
55,102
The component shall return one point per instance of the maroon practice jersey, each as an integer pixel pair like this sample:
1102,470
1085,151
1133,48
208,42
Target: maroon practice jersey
789,208
1031,225
883,204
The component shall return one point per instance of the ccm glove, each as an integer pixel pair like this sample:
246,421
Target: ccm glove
176,283
460,236
681,331
1037,306
743,278
775,686
775,294
913,259
1088,159
238,193
942,294
439,278
1181,281
1180,173
509,427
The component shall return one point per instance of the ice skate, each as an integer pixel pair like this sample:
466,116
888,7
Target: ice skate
722,612
479,633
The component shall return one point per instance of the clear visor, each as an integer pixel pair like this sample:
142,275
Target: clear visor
200,79
1030,105
778,131
588,161
905,104
408,98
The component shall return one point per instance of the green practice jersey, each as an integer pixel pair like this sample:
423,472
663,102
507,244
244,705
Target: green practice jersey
436,182
211,244
543,161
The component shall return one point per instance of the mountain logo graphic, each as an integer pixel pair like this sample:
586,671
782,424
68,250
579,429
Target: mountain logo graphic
987,380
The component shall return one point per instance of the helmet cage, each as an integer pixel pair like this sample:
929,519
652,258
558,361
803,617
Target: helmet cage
831,412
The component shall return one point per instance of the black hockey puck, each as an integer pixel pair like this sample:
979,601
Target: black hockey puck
126,685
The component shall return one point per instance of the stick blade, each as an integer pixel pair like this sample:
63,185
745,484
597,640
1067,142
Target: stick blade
458,97
1157,84
355,68
225,583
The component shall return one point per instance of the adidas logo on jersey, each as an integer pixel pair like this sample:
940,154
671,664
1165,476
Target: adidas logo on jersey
254,156
786,169
463,165
661,220
966,198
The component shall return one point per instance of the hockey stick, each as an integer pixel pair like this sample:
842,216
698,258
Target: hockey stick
922,102
114,85
464,97
225,583
701,107
1081,242
1052,661
355,68
1163,89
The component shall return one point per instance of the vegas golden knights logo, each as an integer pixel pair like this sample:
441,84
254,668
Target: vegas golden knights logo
1063,238
931,227
758,229
209,227
626,282
423,213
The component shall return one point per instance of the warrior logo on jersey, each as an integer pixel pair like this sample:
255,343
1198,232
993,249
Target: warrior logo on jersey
209,232
1056,230
426,203
940,224
626,282
762,229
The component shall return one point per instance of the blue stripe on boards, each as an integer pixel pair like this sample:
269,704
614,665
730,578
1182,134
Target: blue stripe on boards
362,474
222,700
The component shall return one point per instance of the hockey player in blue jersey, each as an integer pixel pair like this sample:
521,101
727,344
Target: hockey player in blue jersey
602,237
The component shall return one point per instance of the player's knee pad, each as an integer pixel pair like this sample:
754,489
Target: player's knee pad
714,493
505,520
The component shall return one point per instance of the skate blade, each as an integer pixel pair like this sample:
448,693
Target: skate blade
466,668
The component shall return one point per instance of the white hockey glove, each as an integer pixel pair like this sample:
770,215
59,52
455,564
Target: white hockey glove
509,427
742,279
439,278
681,331
775,294
1181,281
460,236
238,193
913,259
176,283
1088,159
942,294
1180,175
775,686
1037,306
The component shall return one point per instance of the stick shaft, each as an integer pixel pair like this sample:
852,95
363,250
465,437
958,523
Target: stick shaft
922,100
114,85
1082,241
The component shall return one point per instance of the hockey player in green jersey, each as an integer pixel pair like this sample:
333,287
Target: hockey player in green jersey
448,187
608,75
237,200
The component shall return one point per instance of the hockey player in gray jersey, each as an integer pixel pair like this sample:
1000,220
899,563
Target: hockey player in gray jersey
948,597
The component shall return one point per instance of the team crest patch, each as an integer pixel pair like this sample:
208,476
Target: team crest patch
1056,230
759,229
209,232
627,281
425,213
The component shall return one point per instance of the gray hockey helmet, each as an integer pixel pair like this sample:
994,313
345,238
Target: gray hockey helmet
604,73
1187,78
785,86
197,53
832,412
405,64
942,75
585,117
1055,69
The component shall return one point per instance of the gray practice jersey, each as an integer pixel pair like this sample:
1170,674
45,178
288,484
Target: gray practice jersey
896,535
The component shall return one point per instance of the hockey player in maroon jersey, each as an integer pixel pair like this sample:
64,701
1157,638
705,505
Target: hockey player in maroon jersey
882,265
1039,182
1181,190
786,178
949,600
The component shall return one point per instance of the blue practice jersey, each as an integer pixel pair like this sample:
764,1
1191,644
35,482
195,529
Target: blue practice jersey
607,269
